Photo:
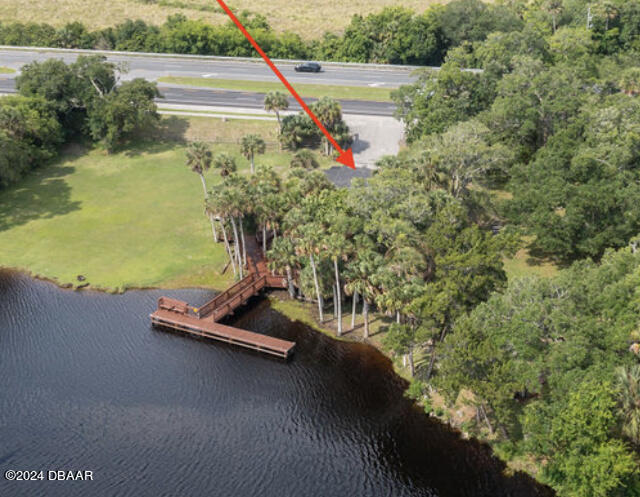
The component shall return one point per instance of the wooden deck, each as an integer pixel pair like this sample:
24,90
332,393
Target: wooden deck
203,321
209,329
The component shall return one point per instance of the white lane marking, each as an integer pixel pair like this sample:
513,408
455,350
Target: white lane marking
210,75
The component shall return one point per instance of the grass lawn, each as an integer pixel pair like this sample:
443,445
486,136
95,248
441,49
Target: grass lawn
130,219
523,264
304,89
6,70
307,313
309,19
214,113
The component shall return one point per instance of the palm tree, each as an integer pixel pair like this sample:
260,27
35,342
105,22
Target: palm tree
296,131
237,198
425,169
606,10
336,246
361,274
401,338
282,257
342,134
401,277
225,163
305,232
199,158
267,197
275,101
629,383
554,8
252,145
330,114
216,206
338,230
308,246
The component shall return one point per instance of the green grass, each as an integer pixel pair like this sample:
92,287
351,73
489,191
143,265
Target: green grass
304,89
523,264
215,113
307,313
127,220
6,70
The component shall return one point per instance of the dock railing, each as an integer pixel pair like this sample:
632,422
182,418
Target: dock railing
173,305
204,321
228,305
207,308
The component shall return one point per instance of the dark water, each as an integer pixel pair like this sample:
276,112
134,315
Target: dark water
87,384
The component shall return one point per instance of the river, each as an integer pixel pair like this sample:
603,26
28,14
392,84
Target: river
88,385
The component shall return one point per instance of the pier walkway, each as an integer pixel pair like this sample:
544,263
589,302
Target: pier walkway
204,321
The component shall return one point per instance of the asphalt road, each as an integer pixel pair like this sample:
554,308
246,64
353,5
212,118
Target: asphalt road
228,98
378,133
151,67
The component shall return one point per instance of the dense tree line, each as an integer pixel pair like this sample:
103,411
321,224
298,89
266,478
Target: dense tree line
552,367
563,98
30,134
410,242
394,35
58,103
546,120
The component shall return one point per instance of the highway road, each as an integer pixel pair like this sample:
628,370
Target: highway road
379,134
152,67
227,98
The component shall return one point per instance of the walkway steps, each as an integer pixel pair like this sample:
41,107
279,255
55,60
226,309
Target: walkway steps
232,297
203,321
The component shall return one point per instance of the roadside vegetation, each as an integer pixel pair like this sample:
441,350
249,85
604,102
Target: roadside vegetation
6,70
395,35
302,19
59,103
304,89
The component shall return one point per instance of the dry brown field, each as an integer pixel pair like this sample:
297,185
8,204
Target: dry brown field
308,18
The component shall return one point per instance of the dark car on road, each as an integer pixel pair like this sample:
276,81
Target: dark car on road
308,67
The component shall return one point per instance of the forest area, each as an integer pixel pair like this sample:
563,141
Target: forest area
539,145
546,140
528,135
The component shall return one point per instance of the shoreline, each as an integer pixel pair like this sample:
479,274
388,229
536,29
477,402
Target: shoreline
303,312
281,305
347,370
87,286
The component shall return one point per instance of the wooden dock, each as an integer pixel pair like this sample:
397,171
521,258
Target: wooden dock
209,329
203,321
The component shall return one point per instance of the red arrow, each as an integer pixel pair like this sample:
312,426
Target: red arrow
345,156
